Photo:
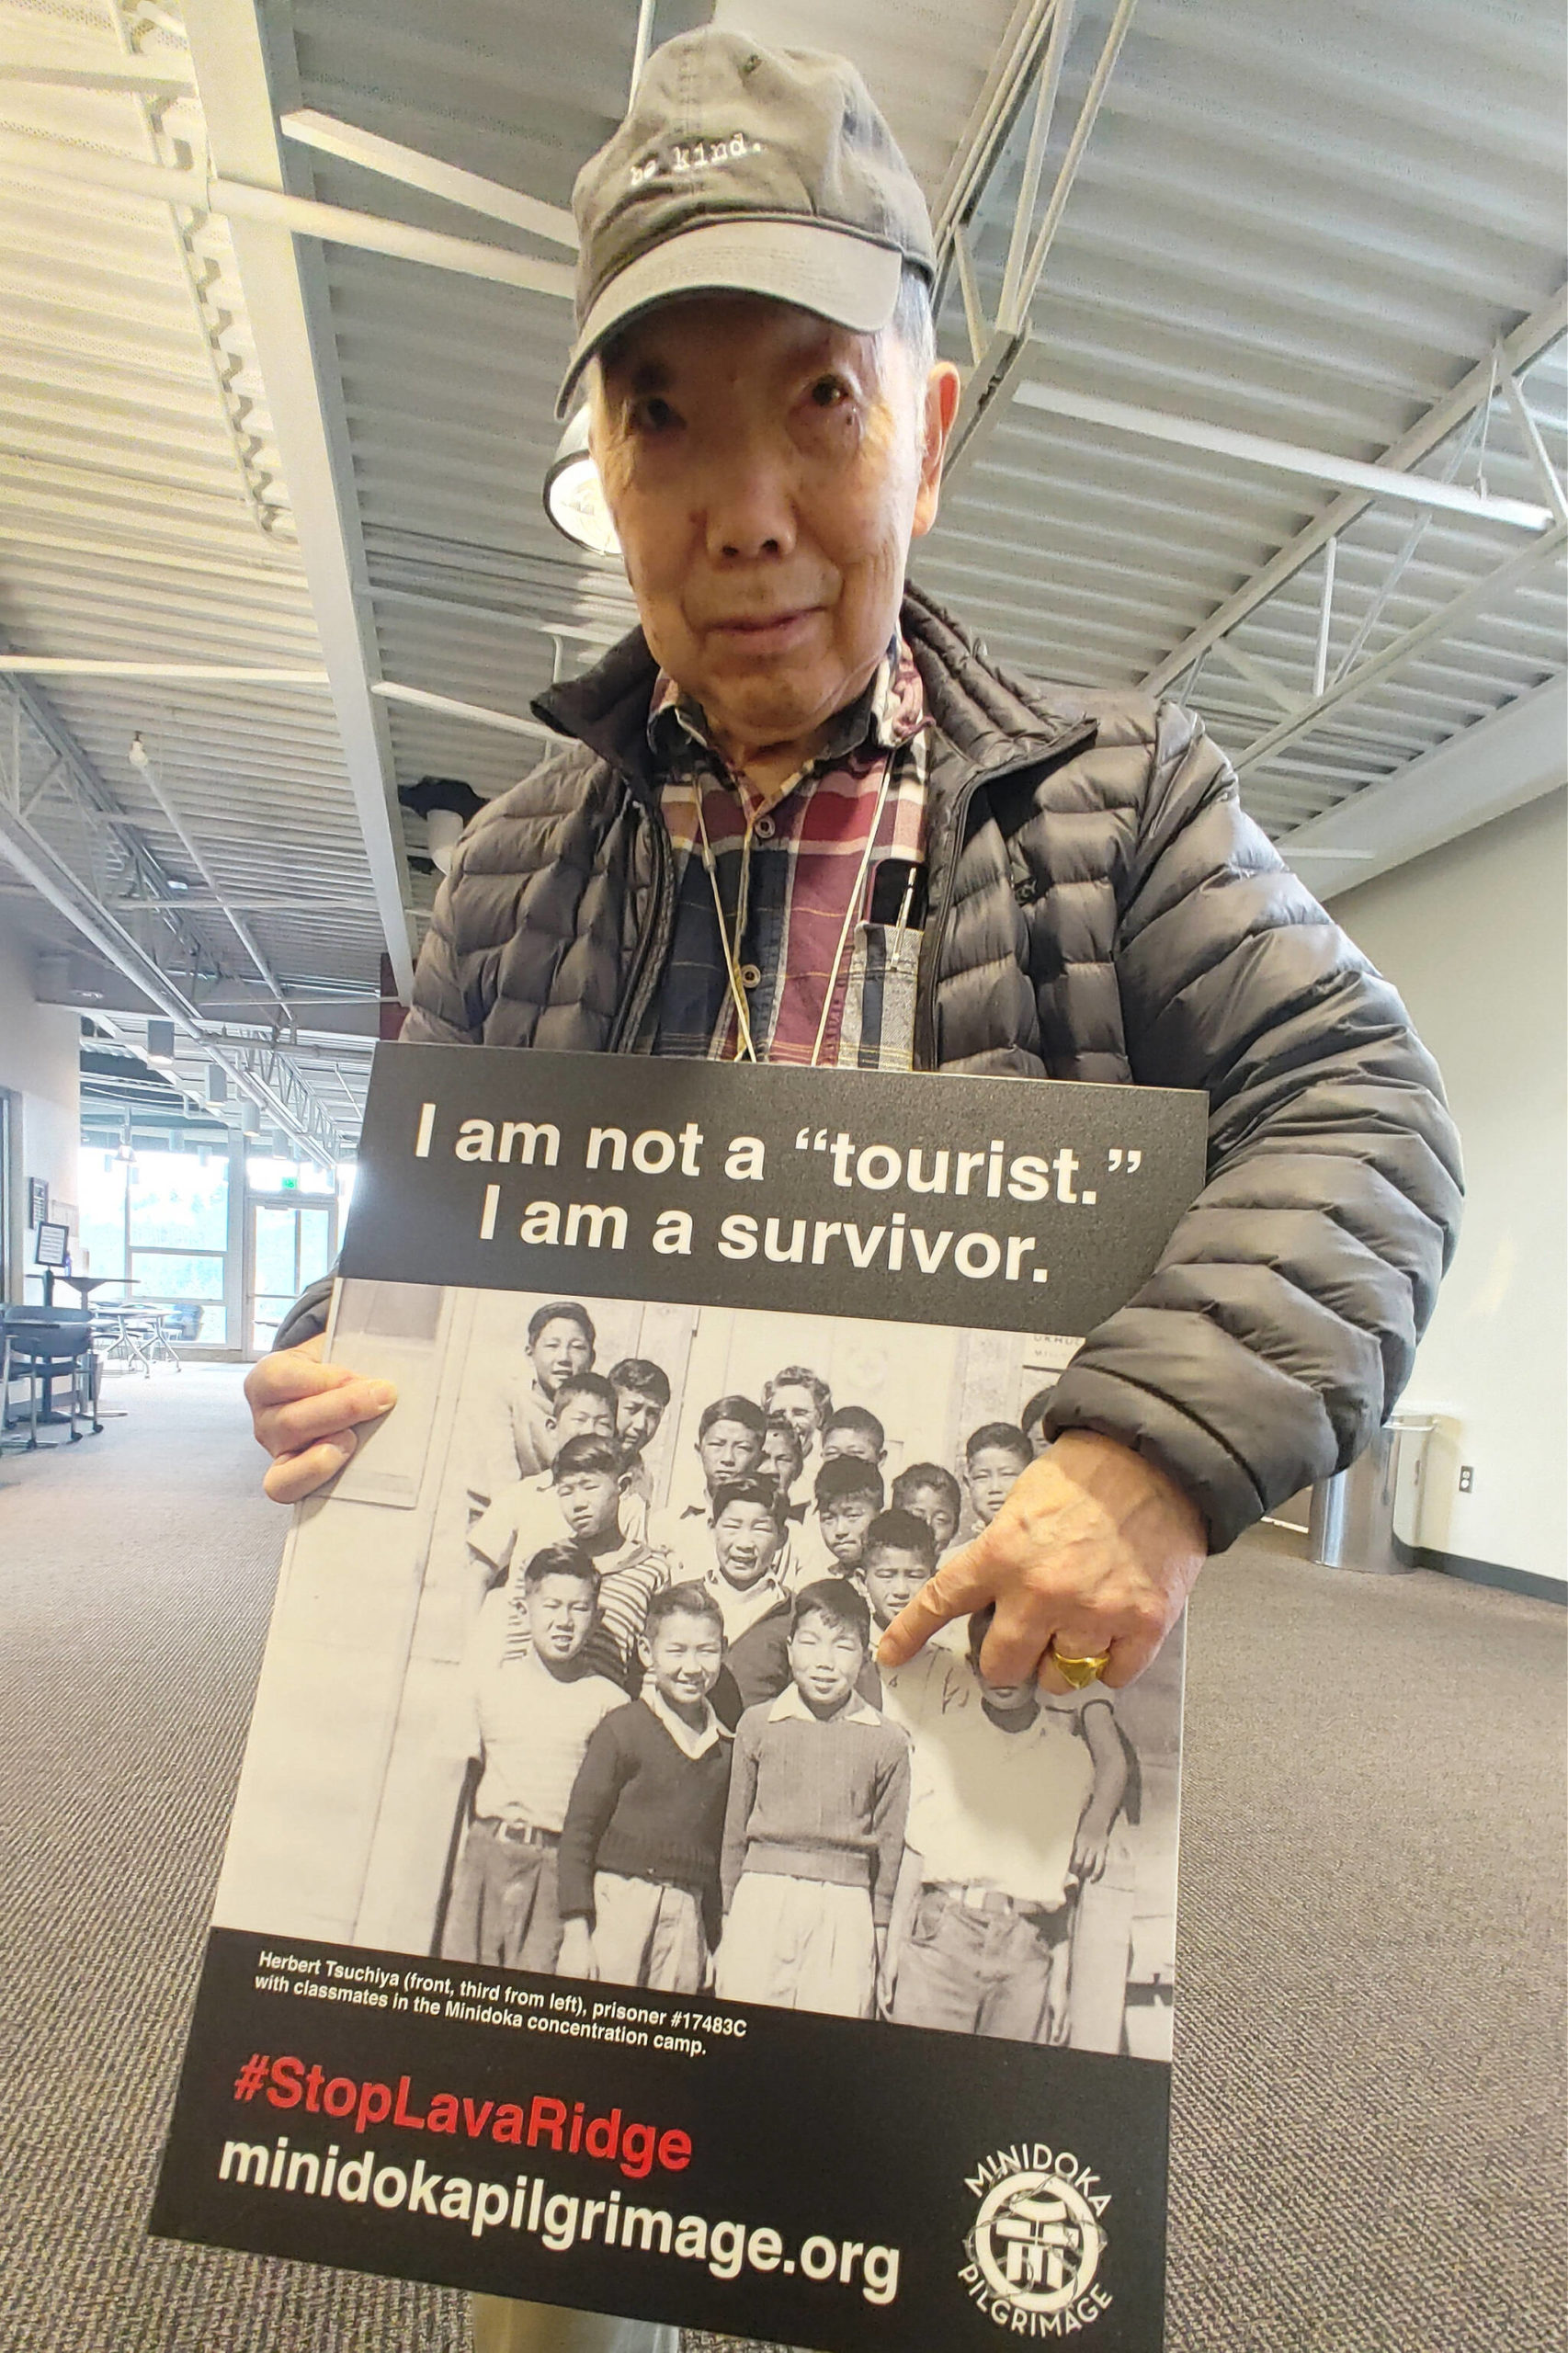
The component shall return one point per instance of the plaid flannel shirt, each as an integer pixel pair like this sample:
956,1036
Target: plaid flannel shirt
788,867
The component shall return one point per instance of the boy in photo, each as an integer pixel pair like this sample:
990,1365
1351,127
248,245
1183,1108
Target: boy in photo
524,1515
848,1497
819,1789
730,1436
1011,1805
532,1717
742,1574
853,1429
935,1496
996,1456
805,1401
783,1460
640,1851
590,1498
898,1555
518,1437
641,1399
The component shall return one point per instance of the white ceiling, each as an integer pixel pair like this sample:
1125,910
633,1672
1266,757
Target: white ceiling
1307,226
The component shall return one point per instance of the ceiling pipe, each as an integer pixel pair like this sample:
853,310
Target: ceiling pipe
37,864
140,761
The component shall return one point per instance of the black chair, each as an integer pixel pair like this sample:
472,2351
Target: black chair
49,1346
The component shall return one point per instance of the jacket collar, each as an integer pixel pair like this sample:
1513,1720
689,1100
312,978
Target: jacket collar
988,720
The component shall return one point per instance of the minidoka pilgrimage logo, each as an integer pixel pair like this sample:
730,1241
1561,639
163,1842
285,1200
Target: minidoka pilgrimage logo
1038,2241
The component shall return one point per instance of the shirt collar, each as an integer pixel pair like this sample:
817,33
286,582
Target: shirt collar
741,1611
791,1708
884,716
690,1743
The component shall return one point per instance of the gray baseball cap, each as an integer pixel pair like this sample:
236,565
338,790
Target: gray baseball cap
746,170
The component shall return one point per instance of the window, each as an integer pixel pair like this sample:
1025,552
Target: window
160,1219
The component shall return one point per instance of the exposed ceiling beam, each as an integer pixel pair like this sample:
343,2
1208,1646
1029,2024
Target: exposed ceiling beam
211,674
412,168
505,720
231,73
37,864
1501,763
47,160
142,74
1528,339
1489,589
1376,481
994,111
998,350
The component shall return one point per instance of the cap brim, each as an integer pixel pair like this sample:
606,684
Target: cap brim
840,277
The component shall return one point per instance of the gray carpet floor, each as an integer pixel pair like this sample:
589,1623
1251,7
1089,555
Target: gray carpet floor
1369,2064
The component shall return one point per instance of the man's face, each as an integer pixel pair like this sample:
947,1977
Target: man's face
825,1659
799,1408
780,1461
991,1475
844,1521
765,484
637,1416
745,1537
684,1657
589,1501
581,1416
728,1450
893,1578
852,1441
560,1615
561,1349
932,1505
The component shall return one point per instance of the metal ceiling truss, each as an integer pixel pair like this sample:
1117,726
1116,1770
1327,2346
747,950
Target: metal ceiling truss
127,885
1476,392
1030,62
284,289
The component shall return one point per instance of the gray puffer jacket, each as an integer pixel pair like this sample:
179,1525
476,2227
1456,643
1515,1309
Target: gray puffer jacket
1100,909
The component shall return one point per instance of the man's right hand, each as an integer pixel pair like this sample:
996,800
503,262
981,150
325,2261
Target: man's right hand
304,1413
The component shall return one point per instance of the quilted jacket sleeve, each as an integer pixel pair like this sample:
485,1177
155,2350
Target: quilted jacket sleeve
439,1013
1280,1328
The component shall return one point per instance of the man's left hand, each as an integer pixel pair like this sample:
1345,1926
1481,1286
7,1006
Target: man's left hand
1095,1549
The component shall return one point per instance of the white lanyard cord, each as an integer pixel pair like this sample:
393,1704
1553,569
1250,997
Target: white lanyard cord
745,1050
851,910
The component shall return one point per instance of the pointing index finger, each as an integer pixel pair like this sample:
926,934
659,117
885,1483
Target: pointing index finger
949,1594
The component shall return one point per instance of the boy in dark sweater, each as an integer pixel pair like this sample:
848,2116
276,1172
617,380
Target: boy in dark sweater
813,1832
639,1864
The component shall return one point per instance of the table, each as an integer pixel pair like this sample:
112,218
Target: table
83,1285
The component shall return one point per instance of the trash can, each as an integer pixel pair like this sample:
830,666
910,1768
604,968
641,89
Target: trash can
1352,1521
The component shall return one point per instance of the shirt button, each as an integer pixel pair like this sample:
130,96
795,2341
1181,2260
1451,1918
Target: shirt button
751,976
764,829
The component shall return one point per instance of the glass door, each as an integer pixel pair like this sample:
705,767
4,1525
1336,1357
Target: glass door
289,1243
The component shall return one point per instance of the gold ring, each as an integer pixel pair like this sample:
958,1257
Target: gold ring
1081,1671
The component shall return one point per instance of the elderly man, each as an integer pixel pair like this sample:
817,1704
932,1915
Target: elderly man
799,816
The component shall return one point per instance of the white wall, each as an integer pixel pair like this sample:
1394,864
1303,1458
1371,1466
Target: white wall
1473,936
38,1065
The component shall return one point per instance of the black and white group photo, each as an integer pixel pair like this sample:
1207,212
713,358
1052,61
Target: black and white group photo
617,1571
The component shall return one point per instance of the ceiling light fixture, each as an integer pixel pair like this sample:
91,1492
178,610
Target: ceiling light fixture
573,495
